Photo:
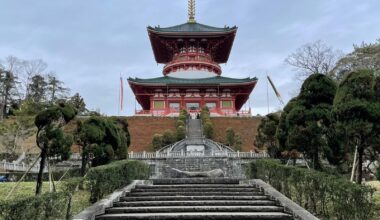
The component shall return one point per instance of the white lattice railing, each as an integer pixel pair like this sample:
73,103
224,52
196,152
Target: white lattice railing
20,167
179,154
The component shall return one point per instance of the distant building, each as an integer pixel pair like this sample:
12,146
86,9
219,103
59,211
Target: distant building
192,54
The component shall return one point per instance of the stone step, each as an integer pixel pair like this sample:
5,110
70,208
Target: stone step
188,198
182,186
196,189
172,209
185,193
199,215
196,203
177,181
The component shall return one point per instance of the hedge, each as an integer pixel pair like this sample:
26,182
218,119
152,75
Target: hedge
103,180
327,196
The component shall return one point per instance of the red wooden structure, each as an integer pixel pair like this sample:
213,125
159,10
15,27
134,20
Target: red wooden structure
191,54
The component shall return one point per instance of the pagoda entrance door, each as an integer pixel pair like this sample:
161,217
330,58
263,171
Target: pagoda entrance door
193,109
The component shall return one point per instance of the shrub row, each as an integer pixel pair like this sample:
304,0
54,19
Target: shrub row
45,206
103,180
327,196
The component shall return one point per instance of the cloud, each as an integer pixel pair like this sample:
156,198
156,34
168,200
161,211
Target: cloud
90,43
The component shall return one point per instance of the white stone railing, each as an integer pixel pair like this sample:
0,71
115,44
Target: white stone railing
20,167
158,155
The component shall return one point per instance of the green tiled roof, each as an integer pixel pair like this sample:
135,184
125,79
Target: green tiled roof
192,27
199,81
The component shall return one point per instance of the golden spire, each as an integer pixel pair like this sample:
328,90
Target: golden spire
191,11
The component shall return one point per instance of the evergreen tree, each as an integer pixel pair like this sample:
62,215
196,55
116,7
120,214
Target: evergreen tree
50,137
78,102
356,112
101,138
37,89
266,134
308,118
55,88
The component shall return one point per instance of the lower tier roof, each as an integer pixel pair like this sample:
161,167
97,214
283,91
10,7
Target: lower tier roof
167,80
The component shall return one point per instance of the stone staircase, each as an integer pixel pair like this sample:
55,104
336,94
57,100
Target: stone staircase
194,128
195,198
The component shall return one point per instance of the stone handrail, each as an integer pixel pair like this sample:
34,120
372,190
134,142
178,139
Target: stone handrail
181,154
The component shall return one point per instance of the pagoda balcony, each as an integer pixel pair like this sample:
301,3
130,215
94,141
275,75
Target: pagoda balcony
192,60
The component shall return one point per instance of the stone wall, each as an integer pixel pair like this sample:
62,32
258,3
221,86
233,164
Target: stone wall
247,127
142,130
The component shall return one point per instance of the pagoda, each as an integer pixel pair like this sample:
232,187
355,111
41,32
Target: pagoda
192,54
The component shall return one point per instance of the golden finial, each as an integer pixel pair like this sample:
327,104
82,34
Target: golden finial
191,11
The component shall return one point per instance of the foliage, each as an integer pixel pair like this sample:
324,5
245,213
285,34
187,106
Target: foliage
102,138
364,56
328,196
266,134
208,127
230,136
238,142
157,142
356,113
55,88
8,90
78,102
45,206
37,89
181,133
105,179
307,120
168,137
50,137
208,130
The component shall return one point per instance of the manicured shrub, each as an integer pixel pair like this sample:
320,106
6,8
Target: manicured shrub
157,142
45,206
105,179
181,133
208,130
168,137
327,196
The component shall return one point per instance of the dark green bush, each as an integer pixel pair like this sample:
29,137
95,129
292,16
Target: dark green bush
45,206
327,196
105,179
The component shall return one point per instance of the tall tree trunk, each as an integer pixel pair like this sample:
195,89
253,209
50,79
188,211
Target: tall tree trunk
360,165
316,163
41,172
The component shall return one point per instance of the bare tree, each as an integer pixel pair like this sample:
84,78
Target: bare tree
32,68
314,57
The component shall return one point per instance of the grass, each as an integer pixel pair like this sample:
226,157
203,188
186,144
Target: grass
80,200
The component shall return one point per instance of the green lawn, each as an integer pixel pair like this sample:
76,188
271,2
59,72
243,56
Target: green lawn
25,189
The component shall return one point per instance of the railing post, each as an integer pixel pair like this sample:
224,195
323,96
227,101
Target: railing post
144,154
238,153
156,153
131,154
251,153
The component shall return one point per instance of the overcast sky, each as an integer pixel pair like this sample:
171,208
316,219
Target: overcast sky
90,43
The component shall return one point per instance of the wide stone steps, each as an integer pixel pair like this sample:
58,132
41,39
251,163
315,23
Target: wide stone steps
166,209
184,198
199,216
196,203
192,189
182,193
198,198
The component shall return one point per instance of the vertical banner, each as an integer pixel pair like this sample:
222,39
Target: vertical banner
121,94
